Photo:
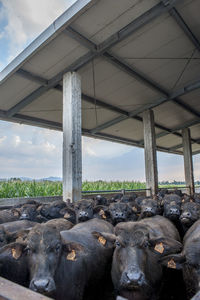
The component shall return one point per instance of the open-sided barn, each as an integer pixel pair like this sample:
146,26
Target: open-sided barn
123,71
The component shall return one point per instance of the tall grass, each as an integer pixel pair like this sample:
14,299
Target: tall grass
17,188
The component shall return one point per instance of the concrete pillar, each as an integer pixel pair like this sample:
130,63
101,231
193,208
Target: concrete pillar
151,171
72,156
188,164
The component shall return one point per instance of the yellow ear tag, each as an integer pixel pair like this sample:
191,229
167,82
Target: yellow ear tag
16,253
67,216
16,214
102,240
71,255
159,248
134,209
171,264
102,214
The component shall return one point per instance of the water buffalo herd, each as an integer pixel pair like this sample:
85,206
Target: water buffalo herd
126,247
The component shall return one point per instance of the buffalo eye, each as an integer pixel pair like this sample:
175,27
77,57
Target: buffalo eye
117,244
28,250
57,248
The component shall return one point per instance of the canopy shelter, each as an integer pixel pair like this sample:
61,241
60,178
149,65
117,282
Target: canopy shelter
138,60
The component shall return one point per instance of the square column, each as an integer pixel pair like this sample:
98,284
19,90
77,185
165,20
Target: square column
151,171
72,152
188,163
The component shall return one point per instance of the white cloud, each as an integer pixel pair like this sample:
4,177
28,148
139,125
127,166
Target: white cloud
103,149
2,139
17,140
27,18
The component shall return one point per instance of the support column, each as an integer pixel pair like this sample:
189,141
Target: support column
72,152
188,164
150,152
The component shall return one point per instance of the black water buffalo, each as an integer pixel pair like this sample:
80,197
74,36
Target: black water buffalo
64,265
30,212
129,199
136,273
188,260
116,197
52,210
121,212
58,209
9,215
197,198
18,261
149,208
11,231
190,213
84,210
172,211
100,200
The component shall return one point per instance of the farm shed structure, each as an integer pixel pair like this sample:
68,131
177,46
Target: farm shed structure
126,71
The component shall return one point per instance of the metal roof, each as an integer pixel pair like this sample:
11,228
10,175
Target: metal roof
131,54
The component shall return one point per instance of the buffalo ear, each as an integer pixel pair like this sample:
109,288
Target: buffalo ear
165,246
72,250
103,237
16,212
12,250
173,261
17,235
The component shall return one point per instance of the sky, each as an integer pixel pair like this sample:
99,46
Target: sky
27,151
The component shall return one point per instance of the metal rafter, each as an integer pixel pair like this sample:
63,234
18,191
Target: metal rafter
124,114
185,125
24,119
196,152
122,65
142,20
180,21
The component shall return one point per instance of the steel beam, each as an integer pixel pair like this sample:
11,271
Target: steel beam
124,113
125,141
173,96
184,125
32,77
117,37
196,152
124,66
28,120
180,21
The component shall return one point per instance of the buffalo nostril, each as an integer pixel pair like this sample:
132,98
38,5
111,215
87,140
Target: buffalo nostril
133,276
83,214
148,209
41,284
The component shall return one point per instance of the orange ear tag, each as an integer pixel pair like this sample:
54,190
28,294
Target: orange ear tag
134,209
102,214
67,216
16,214
171,264
71,255
102,240
16,253
159,248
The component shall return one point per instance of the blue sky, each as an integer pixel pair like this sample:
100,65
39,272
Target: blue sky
36,152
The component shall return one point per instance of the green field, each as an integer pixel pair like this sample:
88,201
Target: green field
17,188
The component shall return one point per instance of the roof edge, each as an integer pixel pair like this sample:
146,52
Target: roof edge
46,36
